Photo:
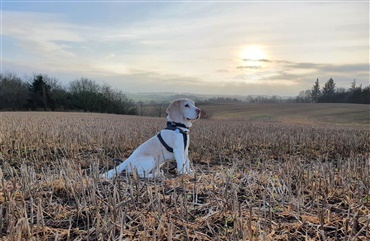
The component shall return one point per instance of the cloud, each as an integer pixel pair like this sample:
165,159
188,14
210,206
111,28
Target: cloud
301,74
248,67
222,71
43,35
346,68
178,46
109,56
289,65
253,63
330,68
257,60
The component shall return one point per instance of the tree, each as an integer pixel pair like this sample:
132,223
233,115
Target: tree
141,110
328,91
315,92
63,99
40,92
43,92
158,109
353,86
13,92
90,96
329,88
125,105
304,96
365,95
85,93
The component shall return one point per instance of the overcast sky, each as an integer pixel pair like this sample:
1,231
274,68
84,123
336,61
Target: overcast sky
224,47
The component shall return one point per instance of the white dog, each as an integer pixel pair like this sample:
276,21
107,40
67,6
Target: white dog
171,143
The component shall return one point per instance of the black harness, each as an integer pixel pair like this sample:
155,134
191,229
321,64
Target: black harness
174,126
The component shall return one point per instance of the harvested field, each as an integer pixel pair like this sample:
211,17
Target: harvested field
252,181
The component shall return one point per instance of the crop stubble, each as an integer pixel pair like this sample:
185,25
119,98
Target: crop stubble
252,181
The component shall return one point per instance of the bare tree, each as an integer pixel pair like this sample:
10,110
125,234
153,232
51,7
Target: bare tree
13,92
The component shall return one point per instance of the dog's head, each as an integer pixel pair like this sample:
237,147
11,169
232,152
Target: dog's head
183,111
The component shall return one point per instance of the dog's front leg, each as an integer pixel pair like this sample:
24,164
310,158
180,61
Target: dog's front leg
115,171
183,162
180,160
187,162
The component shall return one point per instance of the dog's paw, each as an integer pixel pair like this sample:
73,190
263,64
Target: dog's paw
104,176
107,176
186,172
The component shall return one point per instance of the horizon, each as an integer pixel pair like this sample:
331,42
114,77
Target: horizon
204,48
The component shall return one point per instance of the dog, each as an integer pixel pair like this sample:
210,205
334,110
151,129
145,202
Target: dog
171,143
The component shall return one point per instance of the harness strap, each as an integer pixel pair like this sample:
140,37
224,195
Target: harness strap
170,149
174,127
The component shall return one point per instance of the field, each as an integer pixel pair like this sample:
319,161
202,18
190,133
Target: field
273,179
323,113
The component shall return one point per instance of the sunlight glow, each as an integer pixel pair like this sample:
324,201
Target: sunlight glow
253,53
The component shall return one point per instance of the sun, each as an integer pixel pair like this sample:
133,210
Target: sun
253,53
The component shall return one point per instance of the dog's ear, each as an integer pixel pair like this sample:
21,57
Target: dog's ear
174,110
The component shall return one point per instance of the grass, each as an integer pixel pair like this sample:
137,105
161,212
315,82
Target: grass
253,180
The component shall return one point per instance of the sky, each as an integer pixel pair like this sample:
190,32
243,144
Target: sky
202,47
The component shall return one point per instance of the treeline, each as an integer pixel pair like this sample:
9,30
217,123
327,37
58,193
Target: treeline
220,100
329,93
41,92
243,100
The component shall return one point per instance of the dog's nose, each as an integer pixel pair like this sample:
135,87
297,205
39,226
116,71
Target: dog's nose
198,110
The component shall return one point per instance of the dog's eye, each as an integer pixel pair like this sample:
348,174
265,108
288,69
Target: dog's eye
187,106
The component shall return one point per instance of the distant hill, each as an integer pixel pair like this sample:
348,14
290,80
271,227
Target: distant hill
159,97
303,113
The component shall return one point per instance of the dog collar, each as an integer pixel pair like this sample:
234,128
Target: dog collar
173,125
